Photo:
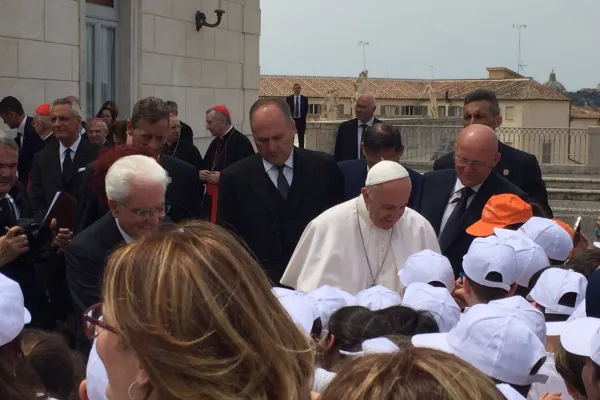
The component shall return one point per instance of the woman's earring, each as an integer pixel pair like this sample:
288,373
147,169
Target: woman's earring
129,391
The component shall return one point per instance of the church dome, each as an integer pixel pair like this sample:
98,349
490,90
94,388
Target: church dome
555,85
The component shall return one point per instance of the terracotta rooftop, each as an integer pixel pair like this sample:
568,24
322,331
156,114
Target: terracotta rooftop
585,112
408,89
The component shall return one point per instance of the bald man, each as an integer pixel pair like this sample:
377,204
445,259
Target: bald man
365,241
349,136
453,199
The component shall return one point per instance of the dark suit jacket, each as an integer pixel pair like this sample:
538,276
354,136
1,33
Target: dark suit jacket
249,206
355,176
50,140
434,193
187,134
85,259
517,166
185,151
46,175
184,194
303,105
31,145
346,140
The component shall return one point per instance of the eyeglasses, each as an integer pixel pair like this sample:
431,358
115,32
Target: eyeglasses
92,322
466,162
160,211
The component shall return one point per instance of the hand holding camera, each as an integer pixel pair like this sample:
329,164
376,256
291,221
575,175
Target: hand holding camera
13,244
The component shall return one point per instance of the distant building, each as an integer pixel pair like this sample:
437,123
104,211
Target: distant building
555,85
524,102
582,117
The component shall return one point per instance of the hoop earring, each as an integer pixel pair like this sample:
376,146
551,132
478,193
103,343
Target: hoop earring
129,391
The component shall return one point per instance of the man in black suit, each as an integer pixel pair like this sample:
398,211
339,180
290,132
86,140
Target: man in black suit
180,149
97,132
135,187
59,167
519,167
349,136
187,134
298,105
29,142
453,199
380,142
149,127
269,198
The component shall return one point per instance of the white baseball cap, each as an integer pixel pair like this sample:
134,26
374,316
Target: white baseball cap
531,258
13,314
579,312
350,299
523,311
379,345
582,337
427,266
502,347
435,300
328,300
509,392
96,377
301,310
377,298
555,240
491,255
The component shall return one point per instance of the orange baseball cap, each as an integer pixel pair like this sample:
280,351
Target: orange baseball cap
43,110
501,211
565,226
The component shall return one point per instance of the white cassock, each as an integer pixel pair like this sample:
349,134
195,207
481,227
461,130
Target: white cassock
330,251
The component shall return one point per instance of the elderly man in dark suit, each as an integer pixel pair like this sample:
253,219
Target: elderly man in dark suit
29,142
453,199
135,187
269,198
349,136
519,167
380,142
299,107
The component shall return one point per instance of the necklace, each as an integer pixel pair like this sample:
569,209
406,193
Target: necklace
222,153
362,239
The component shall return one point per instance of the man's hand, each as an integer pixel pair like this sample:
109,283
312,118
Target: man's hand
12,245
62,236
214,177
459,294
204,175
551,396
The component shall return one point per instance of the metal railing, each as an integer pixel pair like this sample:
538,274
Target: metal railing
561,146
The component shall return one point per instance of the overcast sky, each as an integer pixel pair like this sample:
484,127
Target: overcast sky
460,38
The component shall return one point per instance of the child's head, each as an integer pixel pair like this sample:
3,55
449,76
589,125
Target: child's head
399,321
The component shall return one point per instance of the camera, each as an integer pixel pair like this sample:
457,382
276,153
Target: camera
38,235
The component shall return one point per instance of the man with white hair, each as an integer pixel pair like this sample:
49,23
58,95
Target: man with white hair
42,124
179,148
363,242
97,132
135,188
350,133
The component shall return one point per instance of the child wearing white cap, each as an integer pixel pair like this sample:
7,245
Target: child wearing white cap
501,346
490,271
428,267
549,235
377,298
435,300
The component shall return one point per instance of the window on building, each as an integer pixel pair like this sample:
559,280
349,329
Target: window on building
455,111
413,110
546,153
509,113
101,53
441,111
314,109
340,109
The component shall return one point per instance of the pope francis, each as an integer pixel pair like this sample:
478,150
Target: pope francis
363,242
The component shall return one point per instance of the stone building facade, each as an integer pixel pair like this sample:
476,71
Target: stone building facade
124,50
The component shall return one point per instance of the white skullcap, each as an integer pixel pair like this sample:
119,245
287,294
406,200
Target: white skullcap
385,171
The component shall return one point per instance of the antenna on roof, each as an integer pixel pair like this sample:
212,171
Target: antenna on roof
520,27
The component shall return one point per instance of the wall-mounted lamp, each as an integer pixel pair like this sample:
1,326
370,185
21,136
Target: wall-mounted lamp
201,19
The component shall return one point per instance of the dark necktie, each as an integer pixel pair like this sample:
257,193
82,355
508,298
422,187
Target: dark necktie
7,214
18,139
457,213
362,138
67,166
282,184
297,111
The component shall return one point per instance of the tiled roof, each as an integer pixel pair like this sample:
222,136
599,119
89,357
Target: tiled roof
585,112
408,89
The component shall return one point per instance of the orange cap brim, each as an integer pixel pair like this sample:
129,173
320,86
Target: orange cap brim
483,229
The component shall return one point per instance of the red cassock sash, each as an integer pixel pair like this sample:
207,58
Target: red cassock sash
212,190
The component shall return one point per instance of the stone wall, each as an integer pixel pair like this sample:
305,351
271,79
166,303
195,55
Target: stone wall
201,69
39,44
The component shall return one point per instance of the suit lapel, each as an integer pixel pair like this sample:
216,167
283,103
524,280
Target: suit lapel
446,188
55,169
81,157
301,178
259,184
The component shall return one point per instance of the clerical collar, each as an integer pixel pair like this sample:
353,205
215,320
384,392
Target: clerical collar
128,239
222,137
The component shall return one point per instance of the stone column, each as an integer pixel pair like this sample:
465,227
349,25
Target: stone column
593,148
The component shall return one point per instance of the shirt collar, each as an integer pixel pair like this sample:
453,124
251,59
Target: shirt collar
81,131
369,122
21,128
222,137
290,163
73,147
128,239
459,185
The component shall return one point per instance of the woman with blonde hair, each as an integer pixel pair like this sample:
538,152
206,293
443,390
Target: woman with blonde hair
188,314
411,374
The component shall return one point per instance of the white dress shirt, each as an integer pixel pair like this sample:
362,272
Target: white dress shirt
21,130
456,195
13,206
297,103
360,133
63,150
288,170
128,239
